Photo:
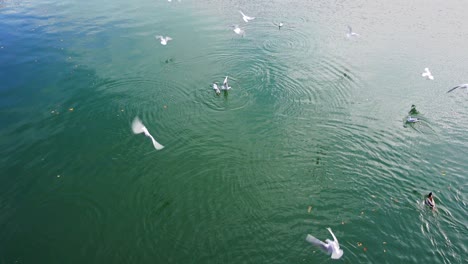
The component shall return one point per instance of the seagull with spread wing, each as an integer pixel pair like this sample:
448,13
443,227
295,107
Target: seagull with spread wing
329,247
164,40
351,33
138,127
245,17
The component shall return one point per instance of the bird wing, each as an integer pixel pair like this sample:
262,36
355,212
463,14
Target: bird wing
334,238
336,251
242,13
316,242
350,29
168,38
158,37
458,86
138,127
155,143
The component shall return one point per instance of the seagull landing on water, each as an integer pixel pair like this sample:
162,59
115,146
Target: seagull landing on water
216,88
350,33
164,40
238,30
427,74
330,247
461,86
246,18
225,86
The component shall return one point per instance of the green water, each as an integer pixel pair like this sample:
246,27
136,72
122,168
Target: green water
312,134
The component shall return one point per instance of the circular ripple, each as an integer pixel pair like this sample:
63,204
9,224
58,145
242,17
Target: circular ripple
236,98
286,40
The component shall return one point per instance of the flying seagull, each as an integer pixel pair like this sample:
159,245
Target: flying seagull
461,86
330,247
164,40
246,18
427,74
350,33
138,127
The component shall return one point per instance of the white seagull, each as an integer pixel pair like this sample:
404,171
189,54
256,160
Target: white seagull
330,247
350,33
216,88
225,86
164,40
461,86
427,74
412,119
138,127
246,18
238,30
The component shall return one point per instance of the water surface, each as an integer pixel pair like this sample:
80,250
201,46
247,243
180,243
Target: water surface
313,120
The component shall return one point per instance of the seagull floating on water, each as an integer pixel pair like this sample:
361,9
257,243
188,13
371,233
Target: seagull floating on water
238,30
280,24
164,40
138,127
461,86
246,18
225,86
350,33
216,88
427,74
330,247
412,119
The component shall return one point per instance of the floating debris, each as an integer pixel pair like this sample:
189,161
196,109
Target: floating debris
309,209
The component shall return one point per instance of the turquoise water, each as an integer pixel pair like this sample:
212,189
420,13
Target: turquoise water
312,134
